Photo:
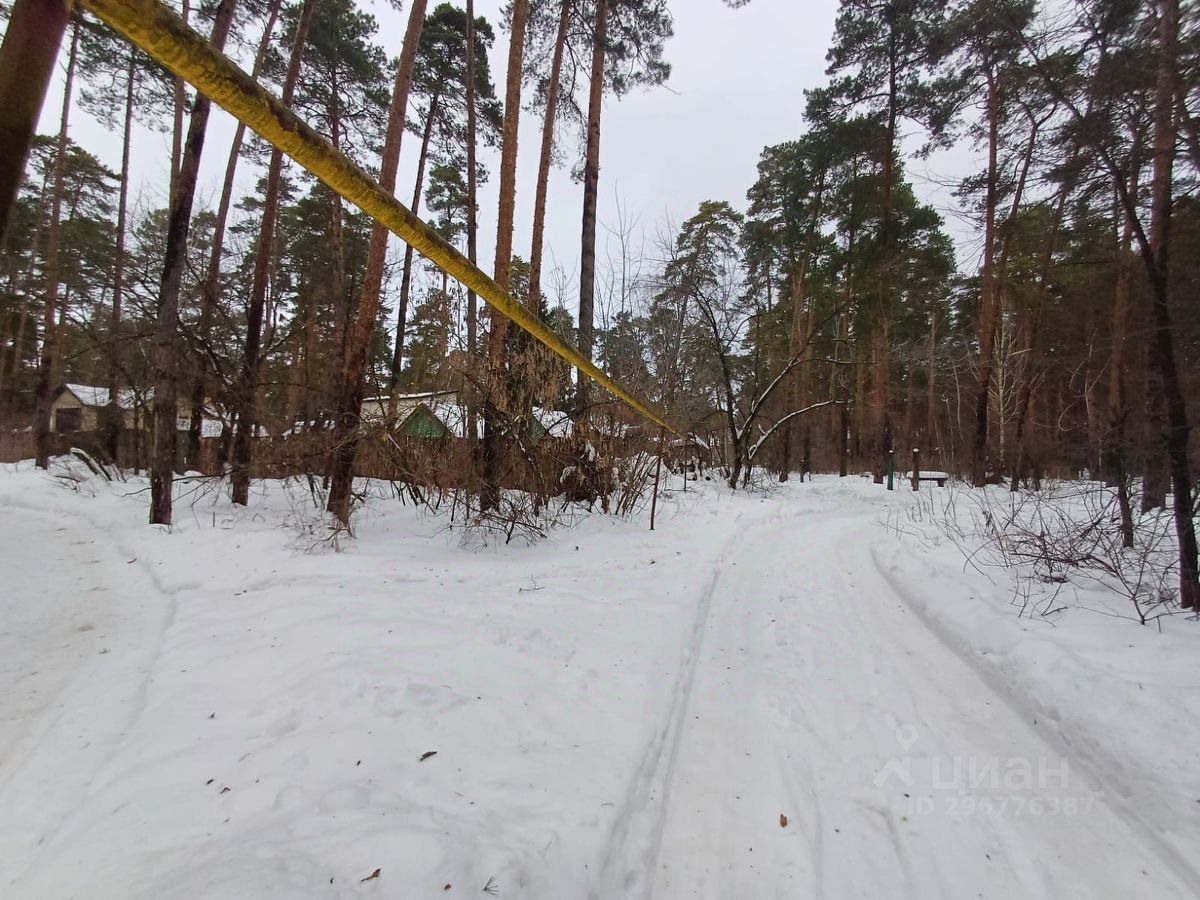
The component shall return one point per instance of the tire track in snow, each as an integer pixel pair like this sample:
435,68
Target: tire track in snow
630,858
1054,737
56,762
806,724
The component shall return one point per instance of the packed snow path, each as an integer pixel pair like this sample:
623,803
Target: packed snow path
812,691
748,703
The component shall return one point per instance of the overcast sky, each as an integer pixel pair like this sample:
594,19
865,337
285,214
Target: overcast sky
737,85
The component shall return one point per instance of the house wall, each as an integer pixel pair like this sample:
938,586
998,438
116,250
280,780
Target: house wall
90,416
67,400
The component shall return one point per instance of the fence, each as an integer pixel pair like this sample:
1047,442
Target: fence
548,466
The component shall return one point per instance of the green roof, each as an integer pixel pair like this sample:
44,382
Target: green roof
422,423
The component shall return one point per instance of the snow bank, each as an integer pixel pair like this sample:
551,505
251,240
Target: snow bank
1121,700
217,713
232,710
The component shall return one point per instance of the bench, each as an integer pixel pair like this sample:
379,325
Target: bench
940,477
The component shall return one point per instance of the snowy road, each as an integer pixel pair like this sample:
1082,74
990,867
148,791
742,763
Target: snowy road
78,639
812,692
749,703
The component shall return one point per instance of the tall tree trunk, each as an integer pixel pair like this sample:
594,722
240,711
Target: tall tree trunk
354,355
1156,478
1000,282
1115,444
114,418
880,441
546,158
166,340
310,353
794,390
52,337
1178,430
27,285
1031,329
472,379
179,107
492,426
842,376
337,242
32,41
212,278
248,384
406,278
989,308
928,438
591,192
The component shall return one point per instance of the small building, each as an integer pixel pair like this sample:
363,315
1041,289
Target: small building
423,422
444,417
376,410
80,407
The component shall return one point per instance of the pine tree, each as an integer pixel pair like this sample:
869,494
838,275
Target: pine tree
886,53
51,346
356,347
264,248
626,39
166,349
440,80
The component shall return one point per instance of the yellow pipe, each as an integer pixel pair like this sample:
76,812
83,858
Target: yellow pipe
166,38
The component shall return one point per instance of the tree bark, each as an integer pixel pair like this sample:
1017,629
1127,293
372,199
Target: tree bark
27,282
248,383
492,426
546,158
591,191
804,318
114,419
52,337
31,46
337,273
471,381
1156,479
180,103
1178,429
880,441
1115,443
354,355
989,308
212,279
406,278
166,340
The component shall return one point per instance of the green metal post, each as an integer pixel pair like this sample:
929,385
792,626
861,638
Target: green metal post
891,470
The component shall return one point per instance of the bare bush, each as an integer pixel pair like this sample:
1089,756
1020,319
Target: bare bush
1065,536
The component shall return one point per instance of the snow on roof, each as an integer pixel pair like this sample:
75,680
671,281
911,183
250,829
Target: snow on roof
410,398
90,395
454,416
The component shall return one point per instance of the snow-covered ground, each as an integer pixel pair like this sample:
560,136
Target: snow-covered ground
768,696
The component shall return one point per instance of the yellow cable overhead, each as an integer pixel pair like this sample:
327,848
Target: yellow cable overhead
167,38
